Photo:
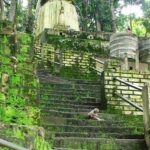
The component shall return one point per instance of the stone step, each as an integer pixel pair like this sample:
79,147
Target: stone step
74,86
60,105
75,114
71,81
99,135
79,81
81,122
53,113
57,148
75,93
66,109
70,95
44,97
100,143
81,115
69,89
89,129
75,102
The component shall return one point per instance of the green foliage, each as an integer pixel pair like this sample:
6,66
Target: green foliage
24,38
122,22
88,11
18,134
146,24
130,121
76,44
14,104
138,28
41,144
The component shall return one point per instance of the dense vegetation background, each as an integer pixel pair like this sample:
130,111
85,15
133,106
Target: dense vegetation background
94,15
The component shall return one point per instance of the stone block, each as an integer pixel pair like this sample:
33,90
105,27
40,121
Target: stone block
126,75
137,92
145,80
131,88
129,108
106,82
127,112
148,76
122,87
135,97
113,102
119,91
137,76
110,74
117,83
123,103
109,86
119,107
137,113
111,83
141,84
133,80
127,92
108,95
116,74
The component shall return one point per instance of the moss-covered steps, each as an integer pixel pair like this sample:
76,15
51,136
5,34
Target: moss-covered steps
64,107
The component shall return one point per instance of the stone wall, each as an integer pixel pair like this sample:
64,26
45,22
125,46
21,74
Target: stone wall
67,58
66,63
138,79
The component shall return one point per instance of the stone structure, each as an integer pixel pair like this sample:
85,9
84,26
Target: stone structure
146,116
138,79
145,50
57,13
122,44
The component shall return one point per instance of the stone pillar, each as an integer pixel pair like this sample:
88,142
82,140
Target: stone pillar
126,63
137,60
146,108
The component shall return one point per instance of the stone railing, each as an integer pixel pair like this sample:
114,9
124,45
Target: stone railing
11,145
136,78
121,96
145,95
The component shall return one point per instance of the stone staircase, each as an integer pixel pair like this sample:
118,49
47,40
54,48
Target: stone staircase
64,106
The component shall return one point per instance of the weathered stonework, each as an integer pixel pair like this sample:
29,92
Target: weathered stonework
138,79
50,16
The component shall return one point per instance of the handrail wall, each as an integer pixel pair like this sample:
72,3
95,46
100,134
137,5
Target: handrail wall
124,98
11,145
127,83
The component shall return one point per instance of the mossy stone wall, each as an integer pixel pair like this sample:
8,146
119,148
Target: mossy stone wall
137,78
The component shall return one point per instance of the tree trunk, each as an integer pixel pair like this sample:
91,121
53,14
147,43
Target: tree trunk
98,24
29,25
30,2
85,14
1,10
114,27
12,11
